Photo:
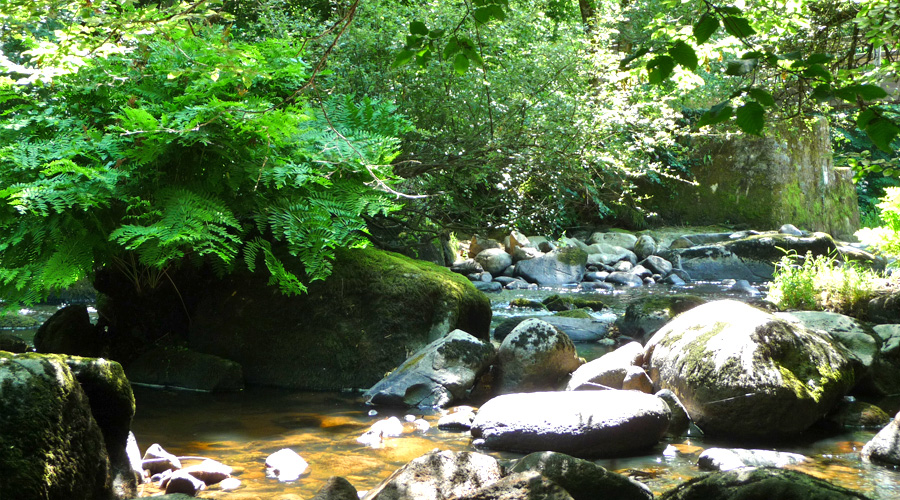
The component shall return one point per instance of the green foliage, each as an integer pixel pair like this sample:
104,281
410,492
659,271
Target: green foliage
814,283
885,238
185,144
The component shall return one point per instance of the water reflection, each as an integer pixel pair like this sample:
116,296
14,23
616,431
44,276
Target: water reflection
242,429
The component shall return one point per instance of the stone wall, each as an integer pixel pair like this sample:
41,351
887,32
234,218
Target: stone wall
788,176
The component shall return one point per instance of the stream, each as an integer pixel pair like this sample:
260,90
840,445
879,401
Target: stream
242,429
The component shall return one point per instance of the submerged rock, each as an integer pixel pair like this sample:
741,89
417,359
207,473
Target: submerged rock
186,369
535,356
336,488
584,424
646,315
437,375
744,374
759,483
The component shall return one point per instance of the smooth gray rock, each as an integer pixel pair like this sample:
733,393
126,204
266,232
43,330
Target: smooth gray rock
657,265
624,279
438,475
494,260
790,229
759,483
884,448
607,371
745,374
491,287
436,375
645,246
624,240
467,267
584,480
680,421
579,423
535,356
459,418
733,458
563,266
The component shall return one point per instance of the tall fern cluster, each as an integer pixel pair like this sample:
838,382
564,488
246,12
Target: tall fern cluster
189,146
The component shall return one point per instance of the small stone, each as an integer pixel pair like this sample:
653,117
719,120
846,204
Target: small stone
790,229
182,482
286,465
230,484
157,460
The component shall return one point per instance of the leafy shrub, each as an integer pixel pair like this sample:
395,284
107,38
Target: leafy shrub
886,237
187,144
820,282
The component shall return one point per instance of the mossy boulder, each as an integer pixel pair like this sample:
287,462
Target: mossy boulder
535,356
759,482
644,316
744,374
566,303
583,479
50,445
374,310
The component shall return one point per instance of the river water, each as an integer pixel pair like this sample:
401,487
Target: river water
242,429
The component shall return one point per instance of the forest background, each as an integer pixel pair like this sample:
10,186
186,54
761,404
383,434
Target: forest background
146,136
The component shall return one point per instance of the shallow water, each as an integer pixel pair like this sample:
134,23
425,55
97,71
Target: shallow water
242,429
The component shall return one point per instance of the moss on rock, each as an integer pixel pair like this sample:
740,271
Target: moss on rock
349,330
50,445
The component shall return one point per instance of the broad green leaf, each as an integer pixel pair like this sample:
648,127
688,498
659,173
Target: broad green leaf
751,118
418,28
482,14
461,64
660,68
823,92
729,9
403,57
451,48
865,117
818,58
684,55
817,71
497,12
717,114
738,67
865,92
705,27
436,33
738,27
761,96
882,132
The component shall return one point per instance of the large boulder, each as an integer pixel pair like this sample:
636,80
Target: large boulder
759,483
438,374
607,371
438,475
615,238
112,406
346,331
860,341
885,373
494,260
645,315
562,266
578,329
744,374
884,448
68,331
749,258
584,480
583,424
186,369
50,445
535,356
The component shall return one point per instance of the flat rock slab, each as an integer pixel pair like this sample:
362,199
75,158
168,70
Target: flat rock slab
585,424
